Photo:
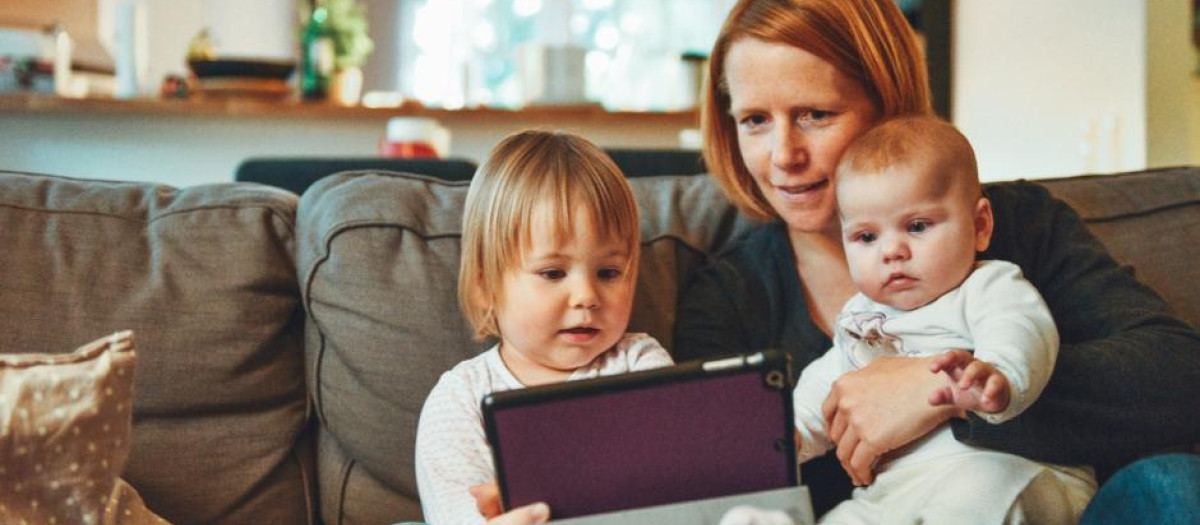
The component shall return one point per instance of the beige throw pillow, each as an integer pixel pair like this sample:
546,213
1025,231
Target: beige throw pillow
65,436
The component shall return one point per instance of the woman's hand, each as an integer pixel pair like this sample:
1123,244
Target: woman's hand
487,500
882,407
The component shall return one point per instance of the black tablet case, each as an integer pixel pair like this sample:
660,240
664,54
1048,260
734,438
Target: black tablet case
692,431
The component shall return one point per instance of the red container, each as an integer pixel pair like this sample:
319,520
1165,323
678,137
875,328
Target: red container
406,150
414,138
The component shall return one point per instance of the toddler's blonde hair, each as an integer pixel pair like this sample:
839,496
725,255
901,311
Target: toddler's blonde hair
526,170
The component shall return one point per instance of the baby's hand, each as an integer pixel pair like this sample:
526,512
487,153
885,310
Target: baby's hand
973,384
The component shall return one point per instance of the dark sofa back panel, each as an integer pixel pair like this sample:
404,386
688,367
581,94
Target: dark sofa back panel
296,174
205,277
1149,220
378,258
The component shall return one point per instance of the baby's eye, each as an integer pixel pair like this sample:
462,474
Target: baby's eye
552,274
865,237
918,226
609,274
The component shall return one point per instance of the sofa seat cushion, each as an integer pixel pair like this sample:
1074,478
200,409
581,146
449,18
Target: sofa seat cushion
379,256
205,276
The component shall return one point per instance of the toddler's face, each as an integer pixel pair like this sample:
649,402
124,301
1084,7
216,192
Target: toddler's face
907,242
568,302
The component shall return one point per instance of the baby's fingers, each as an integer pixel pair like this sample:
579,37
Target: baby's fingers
995,394
976,373
949,361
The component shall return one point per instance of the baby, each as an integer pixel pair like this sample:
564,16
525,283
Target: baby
913,217
550,252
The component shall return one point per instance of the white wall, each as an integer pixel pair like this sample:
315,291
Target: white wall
263,29
1171,127
252,29
1047,88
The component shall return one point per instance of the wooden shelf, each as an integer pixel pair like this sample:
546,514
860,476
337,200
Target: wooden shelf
254,108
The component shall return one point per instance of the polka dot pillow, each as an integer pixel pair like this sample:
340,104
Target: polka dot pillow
65,436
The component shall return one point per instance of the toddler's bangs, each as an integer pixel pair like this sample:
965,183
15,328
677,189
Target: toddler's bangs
610,211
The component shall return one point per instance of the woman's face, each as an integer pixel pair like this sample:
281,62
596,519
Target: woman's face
795,115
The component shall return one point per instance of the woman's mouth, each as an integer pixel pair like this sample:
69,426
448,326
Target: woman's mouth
801,190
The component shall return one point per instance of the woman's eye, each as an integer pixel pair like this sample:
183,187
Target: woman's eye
753,121
609,274
815,116
918,226
552,275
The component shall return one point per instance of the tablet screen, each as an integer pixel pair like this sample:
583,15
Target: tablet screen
692,431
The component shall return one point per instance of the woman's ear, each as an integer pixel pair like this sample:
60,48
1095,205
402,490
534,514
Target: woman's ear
983,224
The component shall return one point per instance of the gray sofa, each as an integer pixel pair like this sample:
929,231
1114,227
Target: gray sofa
286,345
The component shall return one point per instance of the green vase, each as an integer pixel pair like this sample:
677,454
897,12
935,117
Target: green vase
316,50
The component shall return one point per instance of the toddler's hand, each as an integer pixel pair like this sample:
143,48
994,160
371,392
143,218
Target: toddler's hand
487,501
973,384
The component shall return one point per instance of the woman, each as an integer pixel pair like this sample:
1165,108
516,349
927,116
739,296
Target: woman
791,84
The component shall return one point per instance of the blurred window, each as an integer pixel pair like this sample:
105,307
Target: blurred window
456,53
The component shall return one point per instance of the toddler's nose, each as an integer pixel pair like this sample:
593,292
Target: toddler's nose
583,296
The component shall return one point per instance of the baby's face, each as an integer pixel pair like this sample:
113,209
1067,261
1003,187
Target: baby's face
907,240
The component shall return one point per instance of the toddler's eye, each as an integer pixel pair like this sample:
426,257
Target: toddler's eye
609,274
552,274
918,226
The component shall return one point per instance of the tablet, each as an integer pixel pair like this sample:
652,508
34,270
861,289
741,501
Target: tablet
697,430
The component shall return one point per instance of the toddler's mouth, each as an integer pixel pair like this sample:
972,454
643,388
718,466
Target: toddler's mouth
580,330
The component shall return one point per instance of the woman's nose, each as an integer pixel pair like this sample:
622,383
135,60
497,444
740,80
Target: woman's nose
788,148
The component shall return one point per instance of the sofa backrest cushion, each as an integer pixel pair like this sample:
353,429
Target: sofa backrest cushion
1149,220
206,278
378,257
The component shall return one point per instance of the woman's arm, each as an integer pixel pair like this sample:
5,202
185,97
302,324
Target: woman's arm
1128,373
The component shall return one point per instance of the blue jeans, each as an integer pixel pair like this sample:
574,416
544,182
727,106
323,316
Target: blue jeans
1161,489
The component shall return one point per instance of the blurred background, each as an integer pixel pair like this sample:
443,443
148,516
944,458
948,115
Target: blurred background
184,91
